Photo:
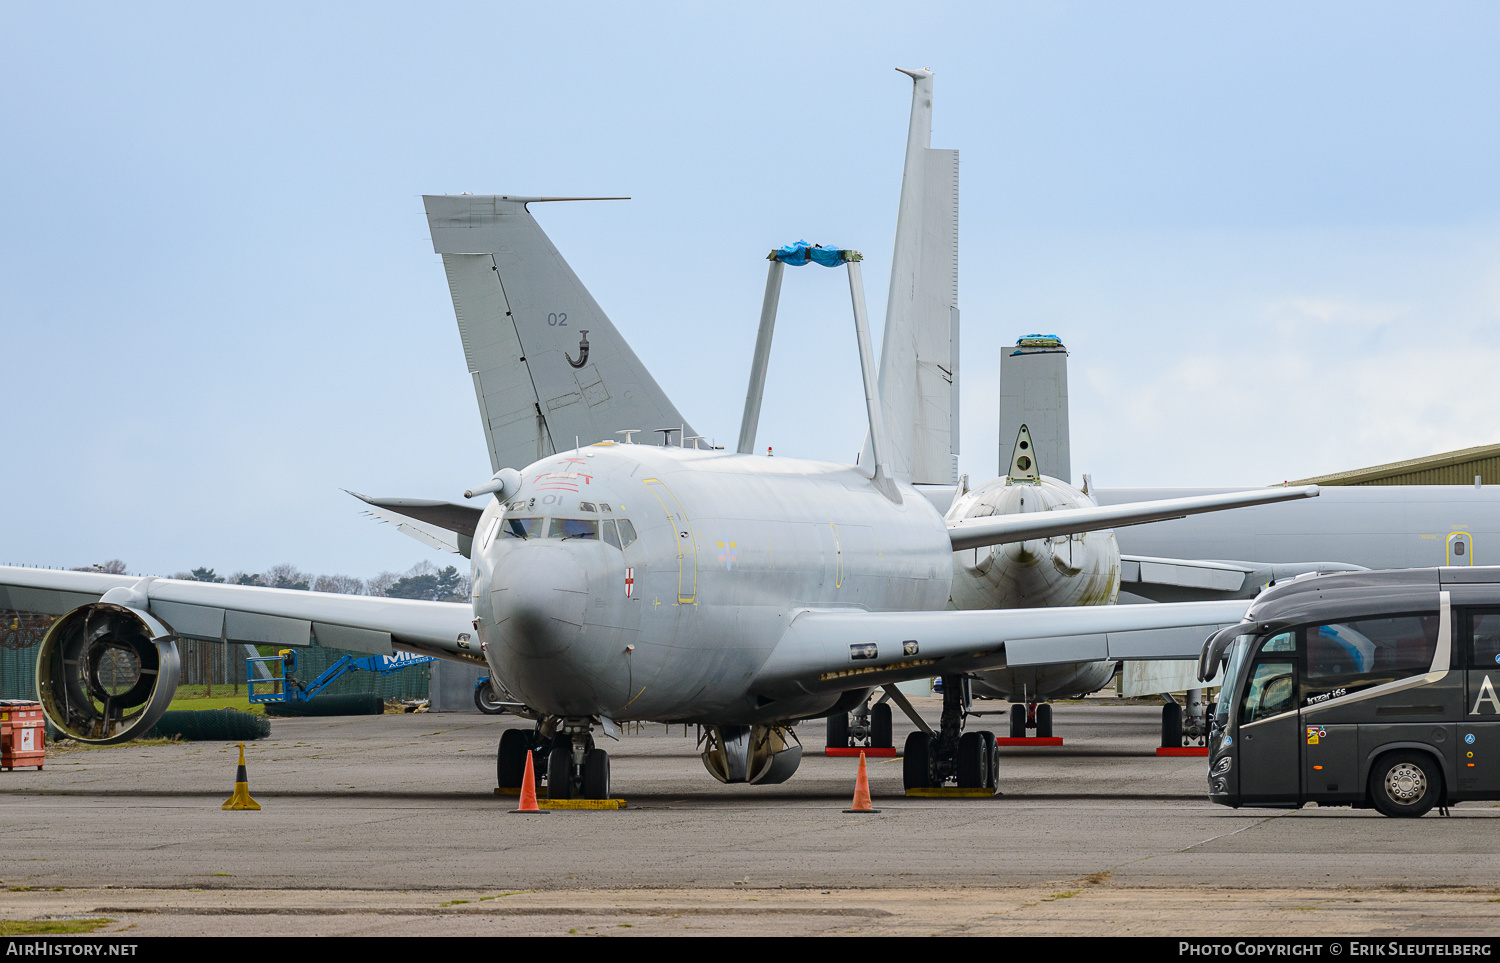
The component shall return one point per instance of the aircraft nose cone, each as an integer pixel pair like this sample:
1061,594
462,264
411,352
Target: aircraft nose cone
539,594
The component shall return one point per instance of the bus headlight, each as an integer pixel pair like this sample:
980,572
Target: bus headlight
1221,766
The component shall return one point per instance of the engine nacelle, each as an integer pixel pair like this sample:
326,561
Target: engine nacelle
1043,683
106,672
764,755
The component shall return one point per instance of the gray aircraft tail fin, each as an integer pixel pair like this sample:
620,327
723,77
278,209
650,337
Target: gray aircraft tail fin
548,365
919,352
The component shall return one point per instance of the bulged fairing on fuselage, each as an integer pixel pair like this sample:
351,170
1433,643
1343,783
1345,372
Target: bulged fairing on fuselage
728,548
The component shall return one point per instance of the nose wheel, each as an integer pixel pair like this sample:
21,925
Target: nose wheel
1030,715
576,768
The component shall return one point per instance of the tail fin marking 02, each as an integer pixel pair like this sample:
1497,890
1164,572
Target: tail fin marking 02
522,313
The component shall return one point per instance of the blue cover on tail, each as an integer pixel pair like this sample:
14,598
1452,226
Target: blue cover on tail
802,252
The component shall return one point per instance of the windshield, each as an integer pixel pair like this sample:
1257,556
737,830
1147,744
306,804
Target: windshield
1238,656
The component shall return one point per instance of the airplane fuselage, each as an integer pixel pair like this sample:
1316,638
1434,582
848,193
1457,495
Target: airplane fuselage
1379,527
653,582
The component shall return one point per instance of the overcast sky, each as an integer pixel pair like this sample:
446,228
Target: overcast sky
1268,233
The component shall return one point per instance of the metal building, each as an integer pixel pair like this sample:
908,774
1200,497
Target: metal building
1467,466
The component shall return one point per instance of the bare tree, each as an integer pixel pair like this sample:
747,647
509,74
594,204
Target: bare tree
339,584
381,582
112,567
287,576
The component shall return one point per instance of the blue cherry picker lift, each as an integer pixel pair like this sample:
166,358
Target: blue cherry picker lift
284,687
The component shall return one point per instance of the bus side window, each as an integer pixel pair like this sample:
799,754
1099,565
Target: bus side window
1285,642
1484,638
1271,691
1371,650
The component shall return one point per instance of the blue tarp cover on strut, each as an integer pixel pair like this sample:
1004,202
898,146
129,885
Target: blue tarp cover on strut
800,253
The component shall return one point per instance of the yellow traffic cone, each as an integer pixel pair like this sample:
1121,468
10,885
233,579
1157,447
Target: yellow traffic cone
241,798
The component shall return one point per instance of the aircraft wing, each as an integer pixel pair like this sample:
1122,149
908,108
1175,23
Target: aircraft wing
254,615
1200,580
1024,526
446,526
825,650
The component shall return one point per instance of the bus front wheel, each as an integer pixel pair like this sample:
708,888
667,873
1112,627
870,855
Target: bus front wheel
1406,784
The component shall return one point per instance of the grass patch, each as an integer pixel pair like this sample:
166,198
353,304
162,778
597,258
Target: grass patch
50,927
65,746
196,697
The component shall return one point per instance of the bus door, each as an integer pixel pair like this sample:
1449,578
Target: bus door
1479,734
1269,725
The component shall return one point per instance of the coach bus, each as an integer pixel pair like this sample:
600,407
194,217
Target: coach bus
1360,689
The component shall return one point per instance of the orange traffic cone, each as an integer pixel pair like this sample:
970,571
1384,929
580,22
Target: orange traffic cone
528,790
862,790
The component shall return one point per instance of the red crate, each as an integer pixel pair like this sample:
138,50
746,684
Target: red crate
23,735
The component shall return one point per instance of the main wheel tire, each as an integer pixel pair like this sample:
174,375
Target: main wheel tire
1018,721
510,760
992,759
1406,783
916,762
1044,721
596,775
838,730
487,700
1171,726
560,771
882,735
973,761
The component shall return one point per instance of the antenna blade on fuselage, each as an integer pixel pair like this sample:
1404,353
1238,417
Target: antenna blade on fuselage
1021,527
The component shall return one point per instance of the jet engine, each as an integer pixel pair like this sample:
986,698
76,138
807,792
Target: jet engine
106,672
764,755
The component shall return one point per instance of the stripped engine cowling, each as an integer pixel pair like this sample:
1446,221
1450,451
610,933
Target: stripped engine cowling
764,755
106,672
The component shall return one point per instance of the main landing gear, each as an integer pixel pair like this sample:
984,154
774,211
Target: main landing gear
970,759
867,726
1180,729
563,753
1031,715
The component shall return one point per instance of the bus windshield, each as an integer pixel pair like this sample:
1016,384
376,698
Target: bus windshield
1238,656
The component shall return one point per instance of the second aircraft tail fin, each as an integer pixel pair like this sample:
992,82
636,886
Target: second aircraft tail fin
919,352
548,365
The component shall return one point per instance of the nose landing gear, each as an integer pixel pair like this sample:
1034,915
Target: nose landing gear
564,755
1031,715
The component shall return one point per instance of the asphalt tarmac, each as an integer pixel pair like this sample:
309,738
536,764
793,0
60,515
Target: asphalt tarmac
389,824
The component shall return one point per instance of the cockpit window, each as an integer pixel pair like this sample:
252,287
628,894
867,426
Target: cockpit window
607,528
604,506
573,528
522,527
627,533
587,507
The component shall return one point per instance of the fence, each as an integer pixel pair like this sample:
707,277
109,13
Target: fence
203,663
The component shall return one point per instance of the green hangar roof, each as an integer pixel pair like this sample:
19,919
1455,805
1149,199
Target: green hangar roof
1448,468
